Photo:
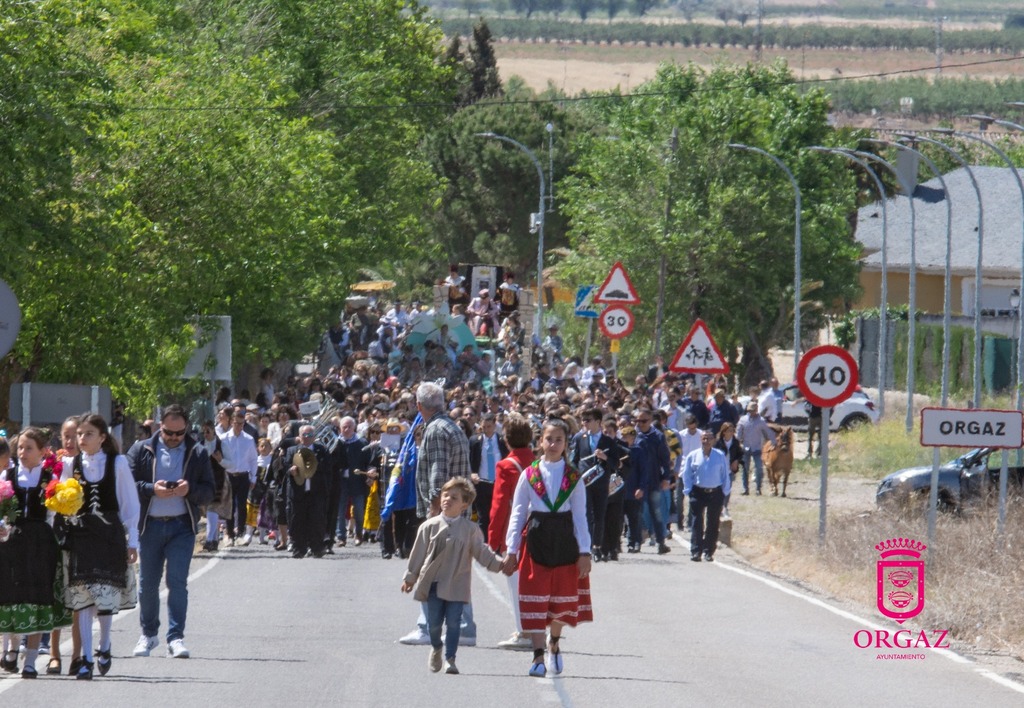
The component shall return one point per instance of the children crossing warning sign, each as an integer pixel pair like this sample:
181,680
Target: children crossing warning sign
617,288
698,353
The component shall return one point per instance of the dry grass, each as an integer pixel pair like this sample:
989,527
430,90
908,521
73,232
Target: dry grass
973,588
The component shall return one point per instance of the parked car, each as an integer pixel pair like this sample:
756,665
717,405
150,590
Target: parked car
973,476
856,410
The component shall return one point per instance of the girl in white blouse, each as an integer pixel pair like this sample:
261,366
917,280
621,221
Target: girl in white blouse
101,576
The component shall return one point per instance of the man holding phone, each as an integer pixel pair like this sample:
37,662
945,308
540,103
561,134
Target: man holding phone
174,478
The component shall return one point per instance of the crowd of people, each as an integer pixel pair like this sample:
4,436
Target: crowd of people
536,474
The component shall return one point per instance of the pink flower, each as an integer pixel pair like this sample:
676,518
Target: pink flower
6,490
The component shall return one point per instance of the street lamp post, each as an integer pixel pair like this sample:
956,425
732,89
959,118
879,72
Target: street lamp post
797,286
540,223
659,319
912,294
884,309
981,235
985,120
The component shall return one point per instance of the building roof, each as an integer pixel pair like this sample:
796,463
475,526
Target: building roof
1003,225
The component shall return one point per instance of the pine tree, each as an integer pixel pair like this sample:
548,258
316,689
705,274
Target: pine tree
483,64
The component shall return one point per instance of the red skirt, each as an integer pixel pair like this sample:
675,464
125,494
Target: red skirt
552,594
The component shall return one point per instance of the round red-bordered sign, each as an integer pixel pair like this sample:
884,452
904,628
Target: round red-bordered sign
827,375
616,321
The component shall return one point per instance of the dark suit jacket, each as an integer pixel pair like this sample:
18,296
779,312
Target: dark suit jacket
580,448
319,483
476,452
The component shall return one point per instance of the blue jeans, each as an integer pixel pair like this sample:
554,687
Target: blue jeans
449,613
655,512
358,511
754,455
165,542
468,626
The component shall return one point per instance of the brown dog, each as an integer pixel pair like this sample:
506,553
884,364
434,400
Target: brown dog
778,458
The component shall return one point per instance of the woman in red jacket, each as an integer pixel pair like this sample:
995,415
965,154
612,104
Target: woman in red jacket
519,438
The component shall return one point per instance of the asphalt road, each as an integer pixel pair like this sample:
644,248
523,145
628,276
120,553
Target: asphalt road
265,629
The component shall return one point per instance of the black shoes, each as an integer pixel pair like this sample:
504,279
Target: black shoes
9,662
632,549
709,558
695,557
29,672
103,661
663,549
84,671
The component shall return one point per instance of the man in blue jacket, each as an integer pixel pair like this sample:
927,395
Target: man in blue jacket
174,478
652,472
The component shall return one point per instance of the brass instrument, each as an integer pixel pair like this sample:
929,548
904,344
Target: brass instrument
324,431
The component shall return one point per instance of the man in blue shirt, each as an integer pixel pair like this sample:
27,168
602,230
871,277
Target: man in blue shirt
706,482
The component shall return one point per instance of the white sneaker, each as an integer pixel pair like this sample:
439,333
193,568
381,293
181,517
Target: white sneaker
450,667
176,649
434,661
246,540
145,645
516,641
416,637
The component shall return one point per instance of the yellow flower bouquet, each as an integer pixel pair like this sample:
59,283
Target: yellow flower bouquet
65,497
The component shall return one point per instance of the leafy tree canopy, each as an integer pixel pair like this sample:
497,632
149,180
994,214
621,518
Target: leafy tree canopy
729,238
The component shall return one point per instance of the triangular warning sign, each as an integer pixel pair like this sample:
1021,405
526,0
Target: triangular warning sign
698,353
617,288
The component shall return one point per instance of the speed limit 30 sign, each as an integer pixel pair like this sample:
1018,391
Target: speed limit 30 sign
616,322
827,375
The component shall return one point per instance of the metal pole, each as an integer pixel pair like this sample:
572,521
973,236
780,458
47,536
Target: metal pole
884,309
912,295
933,495
539,319
797,255
659,318
1020,187
826,423
590,336
1001,525
981,229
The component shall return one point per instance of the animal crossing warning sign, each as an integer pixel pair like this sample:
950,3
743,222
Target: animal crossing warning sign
617,288
698,353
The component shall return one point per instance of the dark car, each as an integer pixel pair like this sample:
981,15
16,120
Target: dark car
972,476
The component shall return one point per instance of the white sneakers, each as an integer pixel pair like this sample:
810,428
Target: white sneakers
516,641
450,667
246,540
176,649
416,637
434,662
145,645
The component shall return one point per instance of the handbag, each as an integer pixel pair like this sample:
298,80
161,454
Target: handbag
551,539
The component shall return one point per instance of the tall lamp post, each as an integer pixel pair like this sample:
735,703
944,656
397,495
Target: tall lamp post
539,222
884,309
986,121
797,287
912,294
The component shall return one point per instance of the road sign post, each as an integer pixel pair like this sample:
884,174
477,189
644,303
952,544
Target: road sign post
827,376
585,306
953,427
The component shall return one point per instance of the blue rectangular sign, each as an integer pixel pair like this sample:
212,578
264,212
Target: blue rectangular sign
585,306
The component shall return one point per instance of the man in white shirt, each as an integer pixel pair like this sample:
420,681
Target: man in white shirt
767,404
240,461
689,441
671,407
486,450
587,377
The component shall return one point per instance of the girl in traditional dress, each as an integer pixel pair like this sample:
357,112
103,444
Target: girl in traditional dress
30,601
554,570
99,575
68,448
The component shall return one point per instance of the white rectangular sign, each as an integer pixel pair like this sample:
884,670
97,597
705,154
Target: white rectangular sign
955,427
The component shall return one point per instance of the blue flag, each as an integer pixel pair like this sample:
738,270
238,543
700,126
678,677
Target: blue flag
402,487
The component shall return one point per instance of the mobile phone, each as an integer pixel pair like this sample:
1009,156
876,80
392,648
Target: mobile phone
170,485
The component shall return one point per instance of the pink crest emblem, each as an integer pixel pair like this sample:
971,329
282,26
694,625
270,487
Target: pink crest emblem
900,575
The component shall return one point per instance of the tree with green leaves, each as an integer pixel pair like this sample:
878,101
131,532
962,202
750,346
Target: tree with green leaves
241,159
729,234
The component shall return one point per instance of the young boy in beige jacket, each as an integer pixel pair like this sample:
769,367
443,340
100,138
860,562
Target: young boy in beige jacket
440,567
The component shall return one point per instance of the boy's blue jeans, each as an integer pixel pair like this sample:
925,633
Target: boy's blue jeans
445,612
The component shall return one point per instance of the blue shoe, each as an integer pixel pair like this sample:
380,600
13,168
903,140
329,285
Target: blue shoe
538,669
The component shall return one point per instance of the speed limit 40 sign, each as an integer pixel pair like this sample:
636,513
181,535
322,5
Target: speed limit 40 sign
827,375
616,321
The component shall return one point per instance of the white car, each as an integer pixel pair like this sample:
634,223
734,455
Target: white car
855,410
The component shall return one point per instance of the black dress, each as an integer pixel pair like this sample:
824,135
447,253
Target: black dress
30,579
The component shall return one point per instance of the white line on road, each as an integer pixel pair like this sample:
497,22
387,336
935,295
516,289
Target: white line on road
65,646
558,694
947,653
